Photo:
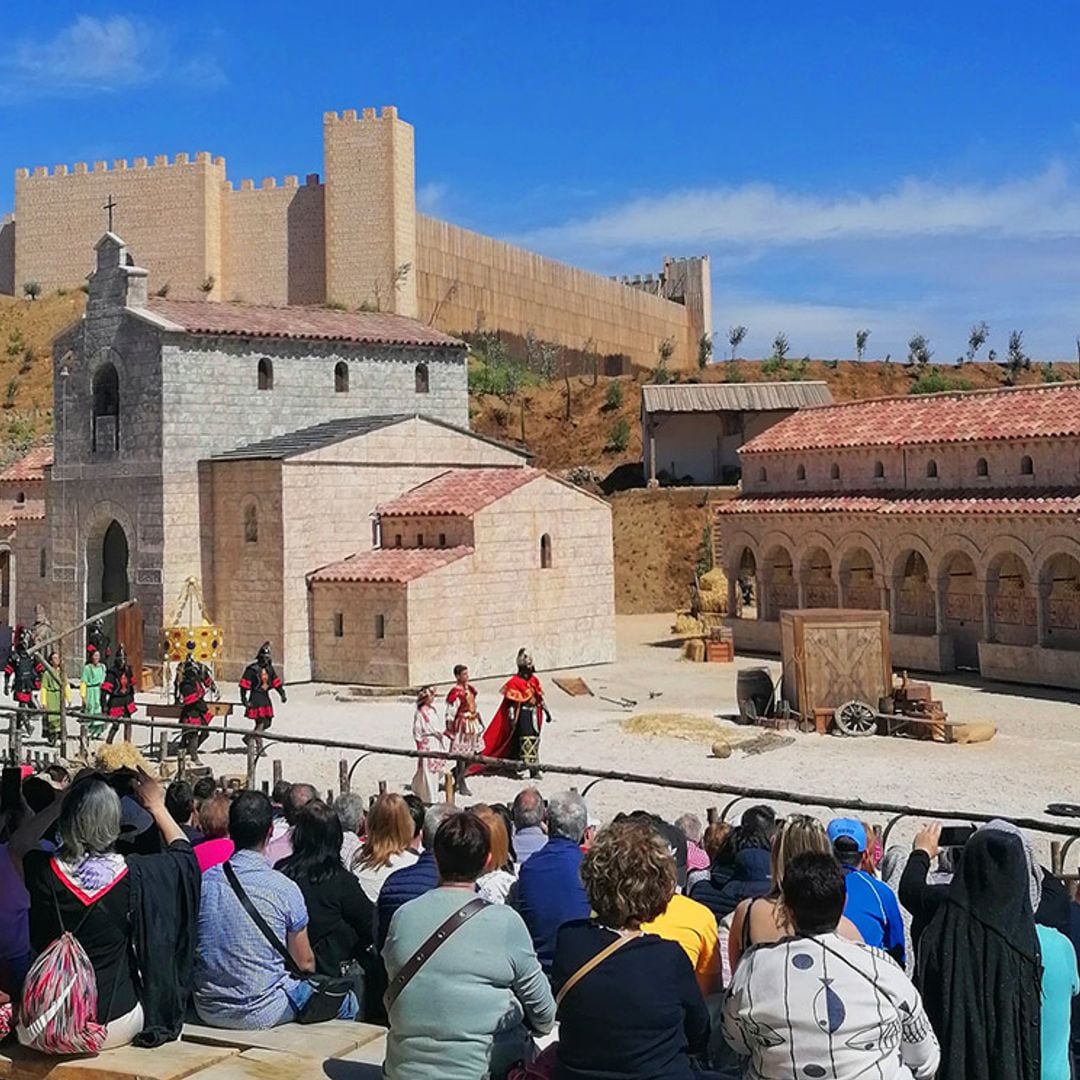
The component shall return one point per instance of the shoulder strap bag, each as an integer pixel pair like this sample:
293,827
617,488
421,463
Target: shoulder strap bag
329,993
425,952
596,961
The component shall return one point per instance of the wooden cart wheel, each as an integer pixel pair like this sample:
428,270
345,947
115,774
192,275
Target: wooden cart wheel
856,718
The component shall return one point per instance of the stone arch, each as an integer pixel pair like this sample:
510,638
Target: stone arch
914,607
900,549
948,547
744,579
1011,598
813,540
1041,556
7,583
817,577
1059,597
776,571
859,573
733,547
962,598
105,514
105,407
1001,545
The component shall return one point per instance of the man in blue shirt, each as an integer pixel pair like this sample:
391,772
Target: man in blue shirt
871,905
548,891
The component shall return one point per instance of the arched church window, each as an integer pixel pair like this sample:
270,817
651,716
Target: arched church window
545,551
105,391
931,469
834,472
423,379
800,473
266,374
879,470
341,377
21,497
251,523
1027,466
981,467
763,475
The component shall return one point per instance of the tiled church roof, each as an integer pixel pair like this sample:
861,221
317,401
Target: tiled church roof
31,466
935,504
1024,412
390,564
460,492
303,323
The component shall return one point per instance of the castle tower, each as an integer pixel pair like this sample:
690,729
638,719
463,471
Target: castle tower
370,211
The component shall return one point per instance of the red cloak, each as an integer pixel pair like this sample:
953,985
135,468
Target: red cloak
500,732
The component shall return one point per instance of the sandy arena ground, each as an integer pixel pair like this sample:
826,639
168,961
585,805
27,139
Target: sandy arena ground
1031,762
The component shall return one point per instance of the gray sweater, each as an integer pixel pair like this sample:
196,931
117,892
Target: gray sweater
462,1015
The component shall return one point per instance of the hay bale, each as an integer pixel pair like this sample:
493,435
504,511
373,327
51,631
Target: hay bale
714,602
121,755
721,748
694,649
715,581
687,626
972,733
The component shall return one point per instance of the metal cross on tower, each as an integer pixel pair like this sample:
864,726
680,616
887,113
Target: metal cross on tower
110,206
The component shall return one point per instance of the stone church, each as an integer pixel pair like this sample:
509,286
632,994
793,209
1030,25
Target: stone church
251,446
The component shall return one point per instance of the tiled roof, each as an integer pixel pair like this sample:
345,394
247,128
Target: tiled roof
390,564
11,512
1002,503
304,323
31,466
1024,412
460,492
733,397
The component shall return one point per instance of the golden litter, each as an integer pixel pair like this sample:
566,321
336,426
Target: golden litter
122,755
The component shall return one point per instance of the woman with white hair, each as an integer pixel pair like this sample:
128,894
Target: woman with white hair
134,916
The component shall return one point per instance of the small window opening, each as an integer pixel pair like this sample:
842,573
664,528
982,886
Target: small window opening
800,473
380,627
419,539
545,551
879,470
423,379
442,539
981,467
41,563
341,377
1027,466
251,524
21,497
266,374
763,475
931,469
339,624
834,472
397,539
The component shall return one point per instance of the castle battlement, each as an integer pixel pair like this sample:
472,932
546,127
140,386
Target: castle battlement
350,116
271,183
82,168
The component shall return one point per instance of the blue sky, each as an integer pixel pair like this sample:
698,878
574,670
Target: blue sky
898,167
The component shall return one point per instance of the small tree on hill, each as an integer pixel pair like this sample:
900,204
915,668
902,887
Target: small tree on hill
919,351
861,338
665,350
31,289
780,346
1018,359
737,334
977,339
704,351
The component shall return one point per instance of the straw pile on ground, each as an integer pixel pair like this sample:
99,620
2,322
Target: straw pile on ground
713,591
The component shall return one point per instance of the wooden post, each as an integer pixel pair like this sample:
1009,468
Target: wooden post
252,762
276,766
163,747
181,760
127,732
449,787
266,788
63,707
712,815
15,739
1057,863
343,776
382,787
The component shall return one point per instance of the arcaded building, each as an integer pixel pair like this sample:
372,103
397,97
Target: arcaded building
956,513
350,237
247,446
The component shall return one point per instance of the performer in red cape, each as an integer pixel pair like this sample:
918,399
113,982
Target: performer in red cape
514,731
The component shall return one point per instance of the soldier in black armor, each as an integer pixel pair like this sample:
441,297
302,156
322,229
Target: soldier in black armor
258,680
118,691
22,676
190,689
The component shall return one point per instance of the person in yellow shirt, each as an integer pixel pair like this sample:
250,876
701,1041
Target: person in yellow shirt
693,926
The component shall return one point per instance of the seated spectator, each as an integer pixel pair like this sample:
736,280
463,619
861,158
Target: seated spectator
468,1011
241,979
134,917
417,809
14,926
978,963
387,846
349,808
549,892
740,869
528,814
180,802
676,840
871,905
690,826
817,1004
765,918
297,797
638,1012
414,880
713,841
203,789
340,916
58,776
495,883
278,796
216,846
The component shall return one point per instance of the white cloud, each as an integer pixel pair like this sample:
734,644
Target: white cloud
95,55
430,197
1044,205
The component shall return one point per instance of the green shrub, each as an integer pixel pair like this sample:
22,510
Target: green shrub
619,439
1050,374
613,399
934,382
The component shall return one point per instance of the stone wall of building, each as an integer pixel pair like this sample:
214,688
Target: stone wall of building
274,242
168,211
7,255
468,282
338,659
1053,463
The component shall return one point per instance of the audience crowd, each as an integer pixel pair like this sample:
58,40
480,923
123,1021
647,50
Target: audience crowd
524,941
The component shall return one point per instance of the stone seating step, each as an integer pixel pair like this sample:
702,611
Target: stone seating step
173,1061
330,1039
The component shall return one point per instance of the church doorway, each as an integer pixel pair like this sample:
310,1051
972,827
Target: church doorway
114,566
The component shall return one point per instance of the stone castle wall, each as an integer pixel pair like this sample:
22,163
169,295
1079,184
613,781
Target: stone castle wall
341,241
468,282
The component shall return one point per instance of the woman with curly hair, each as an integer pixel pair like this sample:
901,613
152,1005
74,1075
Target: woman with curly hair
629,1004
763,919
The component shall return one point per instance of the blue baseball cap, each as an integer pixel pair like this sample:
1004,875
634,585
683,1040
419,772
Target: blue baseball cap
848,829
